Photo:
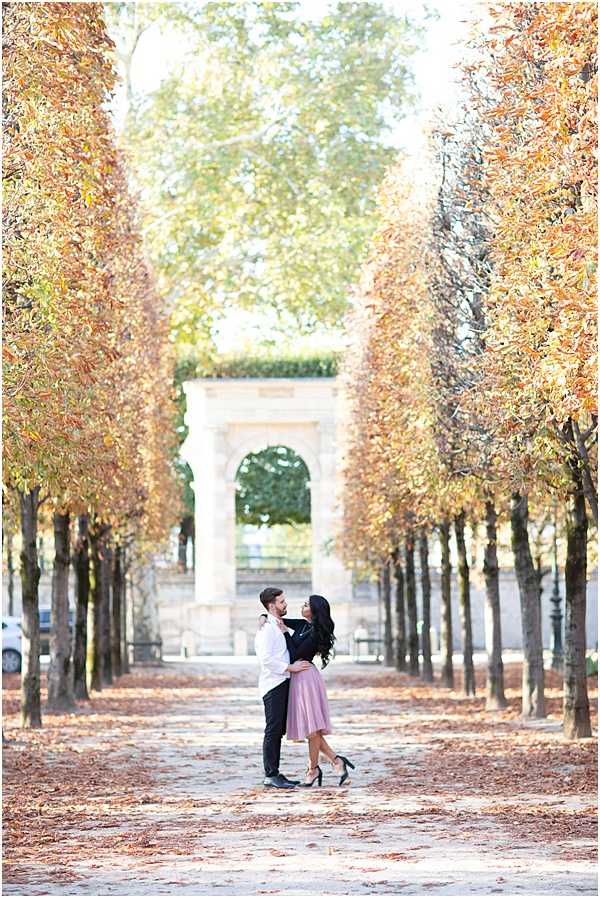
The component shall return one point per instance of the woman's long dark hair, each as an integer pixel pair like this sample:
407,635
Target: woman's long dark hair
323,627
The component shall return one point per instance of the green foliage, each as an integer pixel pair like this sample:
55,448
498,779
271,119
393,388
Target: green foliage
272,488
259,156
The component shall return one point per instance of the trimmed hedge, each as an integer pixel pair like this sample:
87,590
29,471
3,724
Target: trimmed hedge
317,365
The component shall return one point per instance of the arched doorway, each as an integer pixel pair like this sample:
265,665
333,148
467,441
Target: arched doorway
227,420
273,522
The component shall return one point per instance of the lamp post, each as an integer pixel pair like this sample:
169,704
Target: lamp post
556,615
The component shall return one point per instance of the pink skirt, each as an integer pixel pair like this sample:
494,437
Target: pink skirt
308,709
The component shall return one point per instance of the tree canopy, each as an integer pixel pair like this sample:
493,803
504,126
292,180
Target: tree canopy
88,407
259,156
476,320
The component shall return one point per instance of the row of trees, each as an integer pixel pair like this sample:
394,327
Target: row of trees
472,381
88,405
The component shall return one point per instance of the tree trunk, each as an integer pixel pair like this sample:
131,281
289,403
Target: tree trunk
576,710
411,605
539,571
60,688
117,581
426,607
95,643
186,527
10,570
446,646
388,643
464,605
124,613
585,475
106,578
31,713
400,613
494,697
81,564
531,618
182,542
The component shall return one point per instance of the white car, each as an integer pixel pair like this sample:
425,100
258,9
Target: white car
11,644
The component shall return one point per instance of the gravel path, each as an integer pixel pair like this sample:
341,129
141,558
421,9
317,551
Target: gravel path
415,820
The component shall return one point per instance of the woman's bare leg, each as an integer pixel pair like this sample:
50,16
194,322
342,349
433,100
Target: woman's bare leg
329,753
314,744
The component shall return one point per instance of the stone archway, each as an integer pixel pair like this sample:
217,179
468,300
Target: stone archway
227,419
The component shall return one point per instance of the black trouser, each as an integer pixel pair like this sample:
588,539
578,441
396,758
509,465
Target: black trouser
276,702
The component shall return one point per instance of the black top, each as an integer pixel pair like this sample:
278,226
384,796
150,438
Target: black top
302,644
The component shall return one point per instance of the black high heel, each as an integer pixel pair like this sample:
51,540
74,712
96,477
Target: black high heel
346,764
318,779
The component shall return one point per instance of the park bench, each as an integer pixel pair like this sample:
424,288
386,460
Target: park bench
145,652
374,648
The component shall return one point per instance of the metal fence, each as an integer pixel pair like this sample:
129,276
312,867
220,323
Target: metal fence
274,558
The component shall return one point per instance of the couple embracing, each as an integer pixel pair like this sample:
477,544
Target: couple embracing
292,689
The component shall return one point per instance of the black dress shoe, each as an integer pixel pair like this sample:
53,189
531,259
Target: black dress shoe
293,782
279,782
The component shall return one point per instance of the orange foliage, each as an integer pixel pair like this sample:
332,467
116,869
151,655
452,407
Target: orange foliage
392,465
541,173
87,372
435,425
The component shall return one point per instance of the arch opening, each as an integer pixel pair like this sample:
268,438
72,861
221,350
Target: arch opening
273,517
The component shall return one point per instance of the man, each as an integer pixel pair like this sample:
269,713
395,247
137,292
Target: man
273,652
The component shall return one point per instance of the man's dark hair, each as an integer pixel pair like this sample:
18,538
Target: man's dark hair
269,595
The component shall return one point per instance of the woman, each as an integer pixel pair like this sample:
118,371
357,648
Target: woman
308,708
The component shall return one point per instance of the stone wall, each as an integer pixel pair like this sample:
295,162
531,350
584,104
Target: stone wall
180,615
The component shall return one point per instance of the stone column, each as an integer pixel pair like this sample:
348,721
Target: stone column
330,578
143,600
210,617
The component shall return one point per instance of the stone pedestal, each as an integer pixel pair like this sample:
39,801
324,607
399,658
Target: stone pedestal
210,623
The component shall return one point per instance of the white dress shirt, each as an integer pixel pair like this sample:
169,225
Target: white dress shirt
272,653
